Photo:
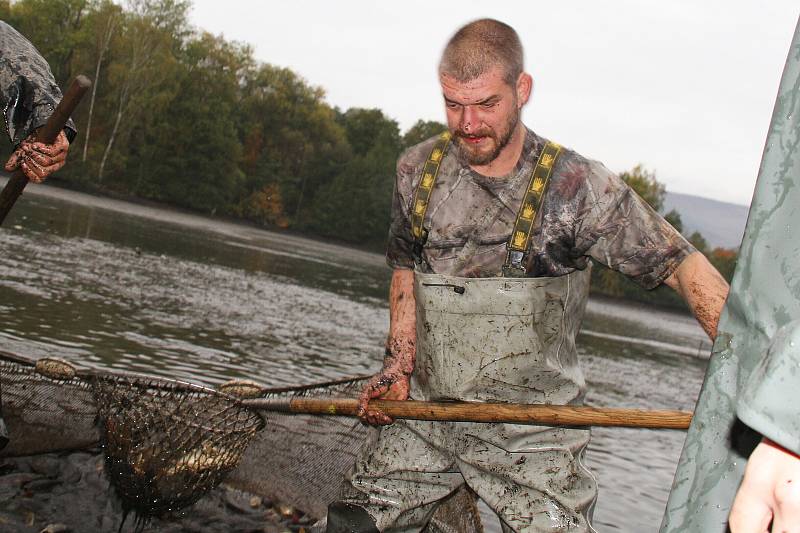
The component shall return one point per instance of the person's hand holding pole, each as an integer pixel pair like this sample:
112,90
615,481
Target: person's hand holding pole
391,383
38,160
47,151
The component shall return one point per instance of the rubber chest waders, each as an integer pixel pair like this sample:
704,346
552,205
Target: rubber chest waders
497,339
508,339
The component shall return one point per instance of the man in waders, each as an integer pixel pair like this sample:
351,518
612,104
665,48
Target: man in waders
492,230
29,95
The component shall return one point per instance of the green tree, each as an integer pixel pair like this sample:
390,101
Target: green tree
290,136
368,128
102,22
646,185
420,131
355,207
54,27
674,218
699,242
143,79
196,143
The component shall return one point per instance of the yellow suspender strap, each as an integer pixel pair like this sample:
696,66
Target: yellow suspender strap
531,202
422,194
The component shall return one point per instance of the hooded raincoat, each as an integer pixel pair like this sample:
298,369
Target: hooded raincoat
753,377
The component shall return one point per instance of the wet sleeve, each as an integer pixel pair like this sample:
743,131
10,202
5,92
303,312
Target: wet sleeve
28,89
768,402
401,240
620,230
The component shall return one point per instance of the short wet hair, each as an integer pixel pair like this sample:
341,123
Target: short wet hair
479,46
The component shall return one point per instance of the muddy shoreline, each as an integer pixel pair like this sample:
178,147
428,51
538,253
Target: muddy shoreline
69,492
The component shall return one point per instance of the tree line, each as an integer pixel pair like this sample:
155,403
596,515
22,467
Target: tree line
181,116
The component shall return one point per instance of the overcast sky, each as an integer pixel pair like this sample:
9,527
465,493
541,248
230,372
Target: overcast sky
686,88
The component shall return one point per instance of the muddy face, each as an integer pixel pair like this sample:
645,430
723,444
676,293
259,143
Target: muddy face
482,114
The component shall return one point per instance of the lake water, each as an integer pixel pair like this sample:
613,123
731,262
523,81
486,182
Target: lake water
117,285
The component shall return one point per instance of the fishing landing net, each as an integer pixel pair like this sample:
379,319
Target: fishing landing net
166,443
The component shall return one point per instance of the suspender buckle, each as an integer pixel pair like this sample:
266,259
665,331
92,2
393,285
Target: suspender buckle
514,266
419,244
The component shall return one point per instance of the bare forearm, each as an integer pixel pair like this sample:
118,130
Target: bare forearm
401,343
392,382
703,288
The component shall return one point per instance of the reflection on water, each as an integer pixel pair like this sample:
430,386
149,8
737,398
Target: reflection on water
125,286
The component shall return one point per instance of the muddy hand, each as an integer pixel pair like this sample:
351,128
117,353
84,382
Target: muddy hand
38,160
385,385
391,383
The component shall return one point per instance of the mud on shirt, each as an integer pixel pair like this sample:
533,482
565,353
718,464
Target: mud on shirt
587,211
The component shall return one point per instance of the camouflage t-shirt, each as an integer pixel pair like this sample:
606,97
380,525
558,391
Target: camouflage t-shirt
587,211
29,92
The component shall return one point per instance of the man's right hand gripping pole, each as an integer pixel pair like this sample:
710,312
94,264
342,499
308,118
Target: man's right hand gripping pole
392,382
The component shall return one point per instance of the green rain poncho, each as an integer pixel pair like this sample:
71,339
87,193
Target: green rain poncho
753,378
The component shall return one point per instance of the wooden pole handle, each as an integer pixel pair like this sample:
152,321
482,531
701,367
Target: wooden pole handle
46,134
546,415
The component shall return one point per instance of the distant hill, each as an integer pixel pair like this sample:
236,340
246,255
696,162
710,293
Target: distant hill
720,223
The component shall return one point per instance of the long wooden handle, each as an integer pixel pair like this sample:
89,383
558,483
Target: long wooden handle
546,415
46,134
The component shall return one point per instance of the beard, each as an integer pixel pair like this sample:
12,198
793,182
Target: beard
483,155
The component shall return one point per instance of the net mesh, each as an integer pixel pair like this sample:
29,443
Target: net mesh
303,458
167,443
49,414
